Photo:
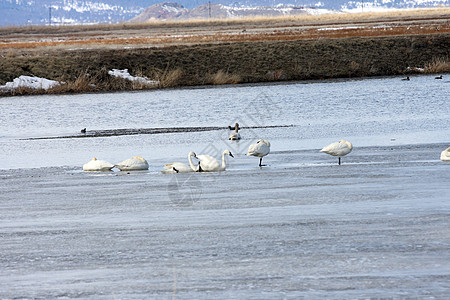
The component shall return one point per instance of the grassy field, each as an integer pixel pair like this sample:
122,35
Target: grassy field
228,51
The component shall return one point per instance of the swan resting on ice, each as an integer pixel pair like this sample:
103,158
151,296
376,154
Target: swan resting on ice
97,165
235,135
178,167
210,164
339,149
133,164
445,155
260,149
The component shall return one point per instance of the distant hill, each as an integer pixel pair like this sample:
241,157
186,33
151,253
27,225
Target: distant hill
26,12
162,11
170,11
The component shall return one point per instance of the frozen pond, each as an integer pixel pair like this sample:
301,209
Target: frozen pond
301,227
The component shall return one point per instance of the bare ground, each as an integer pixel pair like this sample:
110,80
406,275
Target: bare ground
218,52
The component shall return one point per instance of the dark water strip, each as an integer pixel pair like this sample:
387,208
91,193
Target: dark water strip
133,131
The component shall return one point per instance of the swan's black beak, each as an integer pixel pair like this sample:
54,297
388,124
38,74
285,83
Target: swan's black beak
231,155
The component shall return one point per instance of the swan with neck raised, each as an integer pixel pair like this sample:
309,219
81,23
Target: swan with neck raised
445,155
339,149
260,149
235,135
133,164
97,165
178,167
210,164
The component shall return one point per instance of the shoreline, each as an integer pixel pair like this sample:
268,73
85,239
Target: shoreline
221,53
257,62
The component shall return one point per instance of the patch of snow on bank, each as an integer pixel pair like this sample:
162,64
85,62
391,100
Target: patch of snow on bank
30,82
124,74
421,70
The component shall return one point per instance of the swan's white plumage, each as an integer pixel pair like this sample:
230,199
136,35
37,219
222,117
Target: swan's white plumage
210,164
235,136
445,155
178,167
339,149
260,149
97,165
133,164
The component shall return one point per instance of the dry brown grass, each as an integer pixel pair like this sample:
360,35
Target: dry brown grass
84,82
170,78
279,35
438,65
222,77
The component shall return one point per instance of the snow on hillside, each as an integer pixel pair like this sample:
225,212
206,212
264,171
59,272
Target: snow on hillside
168,11
22,12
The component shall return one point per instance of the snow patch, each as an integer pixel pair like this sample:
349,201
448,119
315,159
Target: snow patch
421,70
124,74
30,82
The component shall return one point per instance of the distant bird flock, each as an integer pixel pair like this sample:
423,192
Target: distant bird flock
207,163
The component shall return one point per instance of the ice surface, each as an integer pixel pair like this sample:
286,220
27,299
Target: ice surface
302,227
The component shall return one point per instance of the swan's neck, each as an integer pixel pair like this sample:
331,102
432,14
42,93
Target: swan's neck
223,161
191,163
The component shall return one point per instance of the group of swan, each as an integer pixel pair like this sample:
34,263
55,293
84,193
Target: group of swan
132,164
207,163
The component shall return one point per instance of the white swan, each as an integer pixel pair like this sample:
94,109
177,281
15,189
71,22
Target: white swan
260,149
210,164
235,135
339,149
445,155
133,164
97,165
178,167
